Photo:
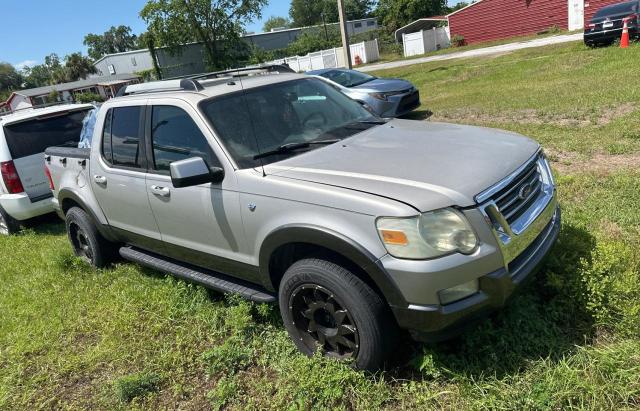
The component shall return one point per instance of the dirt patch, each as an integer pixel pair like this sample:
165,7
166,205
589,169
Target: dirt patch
599,163
604,116
611,229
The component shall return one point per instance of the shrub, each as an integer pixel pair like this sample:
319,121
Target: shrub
458,40
88,98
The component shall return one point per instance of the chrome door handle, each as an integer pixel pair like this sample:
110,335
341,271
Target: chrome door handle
160,191
102,180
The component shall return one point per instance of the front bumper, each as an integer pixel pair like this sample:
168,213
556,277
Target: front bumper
439,322
395,106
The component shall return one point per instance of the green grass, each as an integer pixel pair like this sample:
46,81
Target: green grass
131,338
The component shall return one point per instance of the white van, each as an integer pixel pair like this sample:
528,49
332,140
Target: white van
24,135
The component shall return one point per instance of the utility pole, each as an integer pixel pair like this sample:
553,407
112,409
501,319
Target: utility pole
345,35
324,23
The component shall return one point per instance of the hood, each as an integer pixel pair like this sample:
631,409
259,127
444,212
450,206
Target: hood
384,85
424,164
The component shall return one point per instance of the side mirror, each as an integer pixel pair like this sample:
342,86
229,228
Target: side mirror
194,171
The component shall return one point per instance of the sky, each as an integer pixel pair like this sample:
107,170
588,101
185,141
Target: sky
32,29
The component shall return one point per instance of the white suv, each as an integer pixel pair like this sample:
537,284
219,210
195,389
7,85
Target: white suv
24,135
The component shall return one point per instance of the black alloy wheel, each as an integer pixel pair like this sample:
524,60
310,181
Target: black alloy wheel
323,322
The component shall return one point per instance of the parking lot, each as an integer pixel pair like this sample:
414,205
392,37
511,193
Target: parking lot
72,337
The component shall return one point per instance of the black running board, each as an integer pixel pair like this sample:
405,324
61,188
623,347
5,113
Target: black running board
209,279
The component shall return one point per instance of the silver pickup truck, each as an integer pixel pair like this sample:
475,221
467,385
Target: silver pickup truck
278,187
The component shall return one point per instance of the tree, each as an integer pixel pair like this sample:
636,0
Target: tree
310,12
36,76
78,66
115,40
217,24
52,71
10,78
397,13
458,6
275,22
148,41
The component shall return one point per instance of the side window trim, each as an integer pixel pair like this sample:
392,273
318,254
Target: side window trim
105,132
149,139
144,163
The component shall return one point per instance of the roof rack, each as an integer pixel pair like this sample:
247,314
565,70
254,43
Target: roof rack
191,82
246,71
158,86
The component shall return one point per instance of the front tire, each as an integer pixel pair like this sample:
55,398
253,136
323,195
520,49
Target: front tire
8,225
325,306
87,243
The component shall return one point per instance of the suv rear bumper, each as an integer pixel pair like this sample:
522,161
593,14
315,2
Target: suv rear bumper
439,322
20,207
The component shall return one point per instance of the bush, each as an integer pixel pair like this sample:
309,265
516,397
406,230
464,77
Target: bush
458,40
88,98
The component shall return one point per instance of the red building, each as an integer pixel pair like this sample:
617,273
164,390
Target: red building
487,20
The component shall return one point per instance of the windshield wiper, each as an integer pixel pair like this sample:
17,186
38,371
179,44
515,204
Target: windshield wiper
377,121
286,148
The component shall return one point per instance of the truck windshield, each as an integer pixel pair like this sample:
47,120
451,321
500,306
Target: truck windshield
33,136
264,119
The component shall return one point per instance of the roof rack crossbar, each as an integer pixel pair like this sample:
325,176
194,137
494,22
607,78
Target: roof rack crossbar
272,68
185,84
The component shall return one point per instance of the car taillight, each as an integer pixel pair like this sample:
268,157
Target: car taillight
48,174
591,26
11,178
631,18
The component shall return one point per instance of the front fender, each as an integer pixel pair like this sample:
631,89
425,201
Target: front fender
336,242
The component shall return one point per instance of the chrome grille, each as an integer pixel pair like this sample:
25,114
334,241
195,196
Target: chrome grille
514,199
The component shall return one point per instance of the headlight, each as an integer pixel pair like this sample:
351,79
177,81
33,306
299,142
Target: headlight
428,235
379,96
545,170
385,96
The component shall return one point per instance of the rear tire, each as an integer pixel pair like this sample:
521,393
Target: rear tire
87,243
8,225
325,306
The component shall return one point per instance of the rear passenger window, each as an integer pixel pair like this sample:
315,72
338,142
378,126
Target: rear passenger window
121,144
176,137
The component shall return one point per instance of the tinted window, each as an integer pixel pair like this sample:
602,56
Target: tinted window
176,137
615,9
267,117
34,136
125,137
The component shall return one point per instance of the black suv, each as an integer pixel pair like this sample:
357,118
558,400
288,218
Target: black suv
606,25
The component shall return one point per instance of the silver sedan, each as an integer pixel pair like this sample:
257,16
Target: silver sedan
386,97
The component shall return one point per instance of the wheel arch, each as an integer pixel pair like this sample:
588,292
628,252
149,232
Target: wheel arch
287,244
68,199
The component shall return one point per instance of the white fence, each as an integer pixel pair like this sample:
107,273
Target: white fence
425,41
367,52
